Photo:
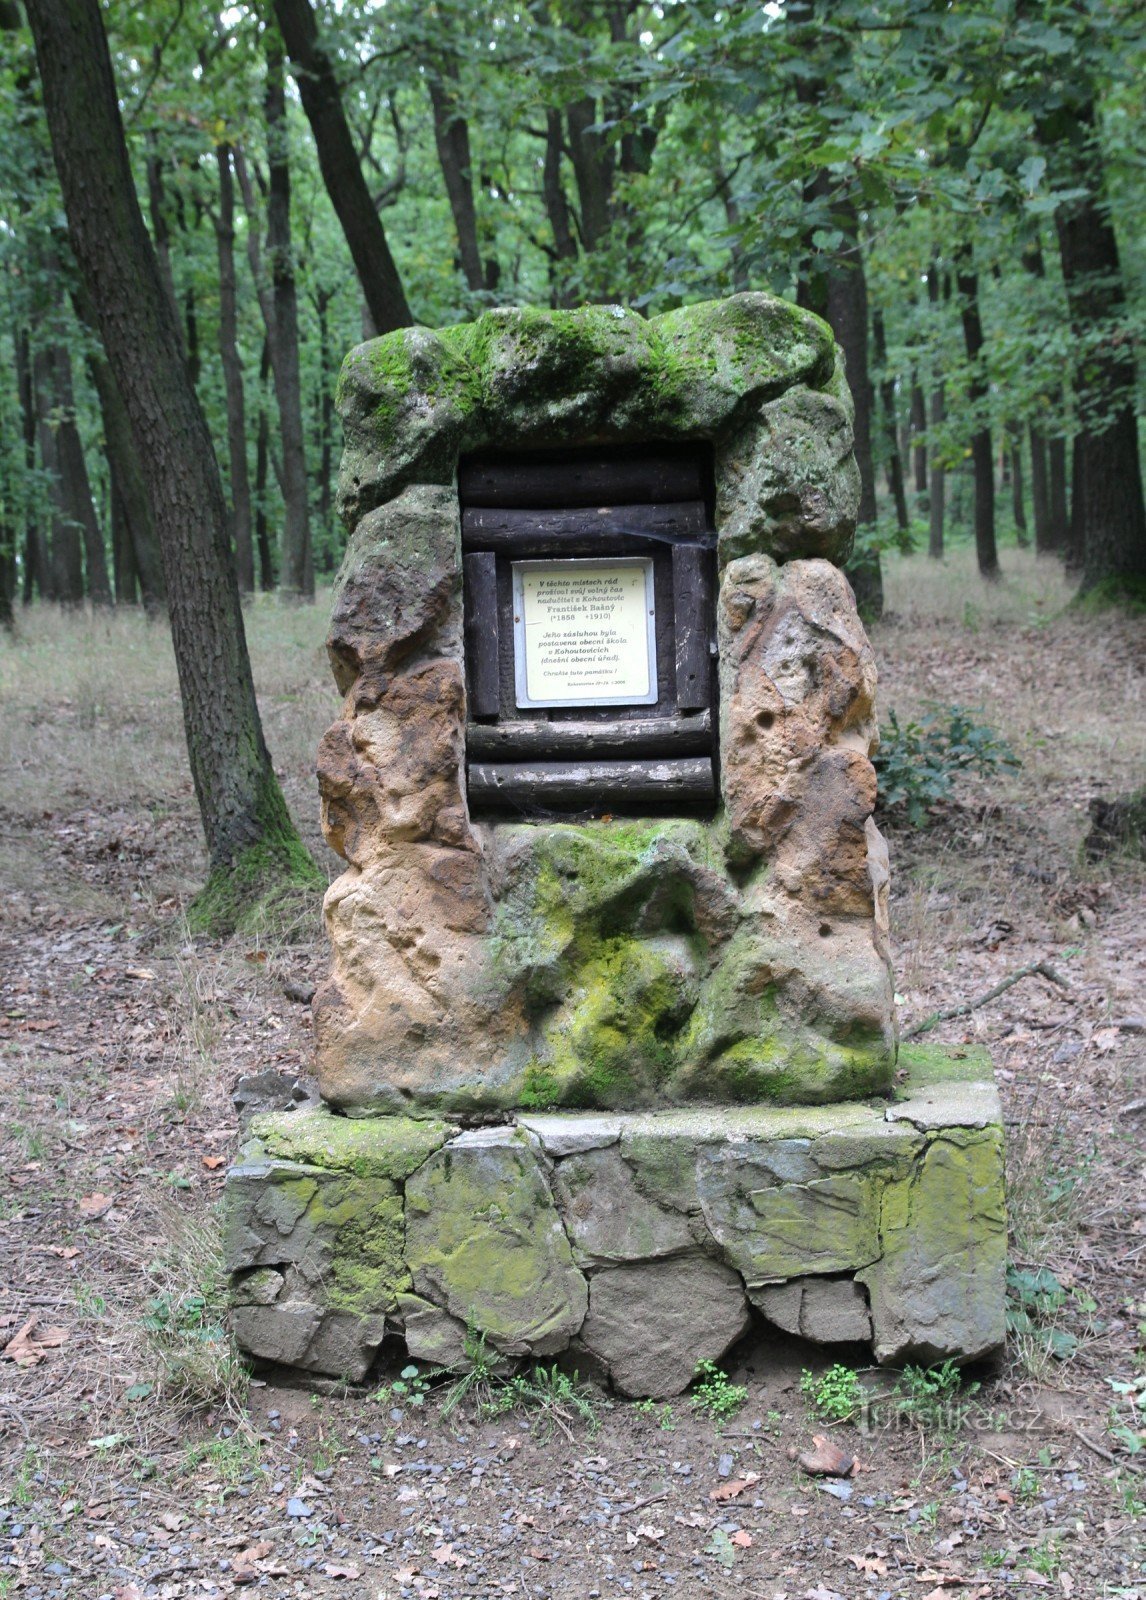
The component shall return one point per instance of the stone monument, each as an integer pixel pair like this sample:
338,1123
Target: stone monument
608,1051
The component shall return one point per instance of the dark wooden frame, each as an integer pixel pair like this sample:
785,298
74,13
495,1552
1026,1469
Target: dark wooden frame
591,504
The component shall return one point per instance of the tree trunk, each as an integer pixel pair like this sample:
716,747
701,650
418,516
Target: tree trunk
262,477
65,562
887,400
296,568
1056,466
918,429
593,169
126,577
557,210
1074,550
1018,508
35,566
1040,491
967,284
77,485
131,508
322,301
1111,513
341,169
233,375
937,289
250,838
452,138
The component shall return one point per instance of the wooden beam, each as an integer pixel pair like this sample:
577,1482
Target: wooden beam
613,530
592,741
591,785
481,632
585,479
692,608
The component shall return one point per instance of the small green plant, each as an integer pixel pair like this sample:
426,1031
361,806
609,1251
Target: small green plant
918,762
230,1458
1046,1558
662,1414
1130,1491
837,1394
935,1398
1026,1484
715,1393
409,1388
477,1381
185,1322
558,1397
1129,1426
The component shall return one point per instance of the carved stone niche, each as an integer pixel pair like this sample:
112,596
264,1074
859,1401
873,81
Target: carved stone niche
668,892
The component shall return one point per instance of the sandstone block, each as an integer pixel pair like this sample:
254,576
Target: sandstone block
652,1325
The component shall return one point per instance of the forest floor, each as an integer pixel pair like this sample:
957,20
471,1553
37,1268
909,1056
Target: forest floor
121,1038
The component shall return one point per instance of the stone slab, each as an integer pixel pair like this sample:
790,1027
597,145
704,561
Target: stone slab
638,1242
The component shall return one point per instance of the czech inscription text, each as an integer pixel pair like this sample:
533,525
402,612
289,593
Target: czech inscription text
586,631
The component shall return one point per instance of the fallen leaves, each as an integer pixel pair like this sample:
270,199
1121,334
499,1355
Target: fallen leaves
95,1205
446,1556
213,1162
245,1566
734,1487
826,1459
28,1352
342,1569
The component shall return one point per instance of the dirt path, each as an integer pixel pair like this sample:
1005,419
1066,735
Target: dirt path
119,1042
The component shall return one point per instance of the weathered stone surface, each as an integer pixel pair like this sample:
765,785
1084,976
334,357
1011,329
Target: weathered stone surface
258,1092
652,1325
614,965
937,1290
825,1310
412,401
432,1334
334,1225
607,1217
484,1240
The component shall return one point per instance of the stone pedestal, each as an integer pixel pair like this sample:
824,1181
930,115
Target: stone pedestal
636,1244
675,1025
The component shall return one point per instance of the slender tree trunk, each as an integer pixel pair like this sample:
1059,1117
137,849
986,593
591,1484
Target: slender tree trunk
452,138
557,210
1111,512
65,554
296,569
35,574
1040,491
341,168
122,554
1074,550
322,301
967,284
233,375
887,400
131,508
262,477
250,837
594,167
1056,467
938,288
918,429
1018,507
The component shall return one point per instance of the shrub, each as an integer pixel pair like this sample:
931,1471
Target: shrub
918,762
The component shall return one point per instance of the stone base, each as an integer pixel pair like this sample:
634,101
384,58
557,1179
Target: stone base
641,1244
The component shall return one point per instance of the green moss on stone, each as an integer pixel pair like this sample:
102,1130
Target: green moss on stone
924,1063
374,1147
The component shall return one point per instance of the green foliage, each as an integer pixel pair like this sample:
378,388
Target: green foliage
409,1388
558,1398
184,1323
715,1394
936,1399
919,762
1034,1299
836,1394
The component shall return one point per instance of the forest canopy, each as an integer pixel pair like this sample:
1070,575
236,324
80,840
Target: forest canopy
956,187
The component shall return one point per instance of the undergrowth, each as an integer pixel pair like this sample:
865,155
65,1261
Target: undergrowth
918,762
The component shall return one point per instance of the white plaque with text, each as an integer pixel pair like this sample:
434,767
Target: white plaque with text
583,633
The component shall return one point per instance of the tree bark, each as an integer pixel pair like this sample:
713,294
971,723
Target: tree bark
125,576
65,562
233,375
1056,466
341,169
887,401
1111,512
1018,506
1040,491
918,429
452,138
1074,549
262,476
250,838
967,284
937,414
296,567
594,167
322,299
131,508
35,566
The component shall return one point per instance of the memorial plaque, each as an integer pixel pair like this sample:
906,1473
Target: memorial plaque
583,633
